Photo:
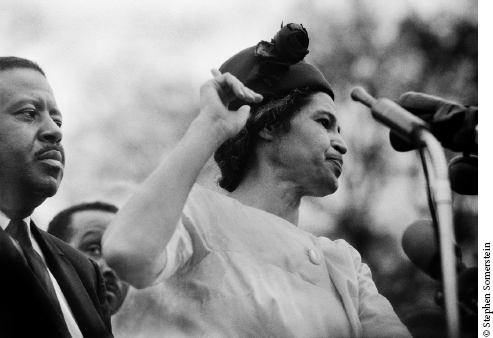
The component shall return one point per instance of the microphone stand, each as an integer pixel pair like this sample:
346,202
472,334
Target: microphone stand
442,198
414,129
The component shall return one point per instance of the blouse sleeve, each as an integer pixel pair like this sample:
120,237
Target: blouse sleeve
178,252
376,314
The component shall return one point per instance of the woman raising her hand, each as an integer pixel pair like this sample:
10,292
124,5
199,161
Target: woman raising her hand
239,256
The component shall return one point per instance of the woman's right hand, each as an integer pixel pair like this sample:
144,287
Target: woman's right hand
135,242
216,94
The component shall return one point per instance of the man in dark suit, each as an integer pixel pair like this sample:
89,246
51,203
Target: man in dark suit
47,288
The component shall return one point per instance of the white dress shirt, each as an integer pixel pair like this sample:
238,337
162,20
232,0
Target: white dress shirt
67,312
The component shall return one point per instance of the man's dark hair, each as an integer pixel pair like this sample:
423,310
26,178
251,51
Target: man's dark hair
60,224
14,62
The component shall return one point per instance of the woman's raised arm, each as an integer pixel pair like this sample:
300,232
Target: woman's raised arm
134,243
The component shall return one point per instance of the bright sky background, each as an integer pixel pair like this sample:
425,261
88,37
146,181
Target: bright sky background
180,39
194,35
176,39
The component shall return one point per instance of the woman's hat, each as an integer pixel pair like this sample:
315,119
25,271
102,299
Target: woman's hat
275,68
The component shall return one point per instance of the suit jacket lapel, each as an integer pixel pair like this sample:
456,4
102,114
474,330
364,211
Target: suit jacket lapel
11,259
88,319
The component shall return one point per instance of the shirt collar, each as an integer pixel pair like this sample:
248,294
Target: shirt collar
4,220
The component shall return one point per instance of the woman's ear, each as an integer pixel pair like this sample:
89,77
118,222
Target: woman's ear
267,133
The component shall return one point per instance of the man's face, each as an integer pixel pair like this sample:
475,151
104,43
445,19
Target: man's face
88,227
31,156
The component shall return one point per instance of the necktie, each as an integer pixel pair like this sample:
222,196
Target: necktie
18,230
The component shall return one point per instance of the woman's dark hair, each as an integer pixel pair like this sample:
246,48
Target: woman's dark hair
235,155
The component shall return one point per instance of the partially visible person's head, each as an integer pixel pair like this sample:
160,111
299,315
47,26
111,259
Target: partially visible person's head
82,226
31,155
288,83
13,62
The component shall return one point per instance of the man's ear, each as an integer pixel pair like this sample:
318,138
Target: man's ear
267,133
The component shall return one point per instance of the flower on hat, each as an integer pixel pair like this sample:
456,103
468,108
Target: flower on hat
288,47
292,43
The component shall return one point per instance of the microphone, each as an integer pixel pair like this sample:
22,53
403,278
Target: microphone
419,244
399,120
463,174
454,125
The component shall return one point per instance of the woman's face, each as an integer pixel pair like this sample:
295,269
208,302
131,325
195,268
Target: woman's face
310,154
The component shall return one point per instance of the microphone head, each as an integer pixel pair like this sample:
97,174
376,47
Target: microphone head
463,174
422,104
419,244
399,144
418,104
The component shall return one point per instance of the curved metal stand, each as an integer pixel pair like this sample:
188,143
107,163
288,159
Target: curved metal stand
442,199
414,129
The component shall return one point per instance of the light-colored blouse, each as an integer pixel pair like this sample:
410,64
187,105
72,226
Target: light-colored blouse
250,273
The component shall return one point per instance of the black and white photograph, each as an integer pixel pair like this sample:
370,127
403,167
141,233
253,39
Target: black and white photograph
215,168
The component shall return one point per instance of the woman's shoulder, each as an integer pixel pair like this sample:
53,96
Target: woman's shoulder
341,244
338,247
208,199
208,190
204,194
